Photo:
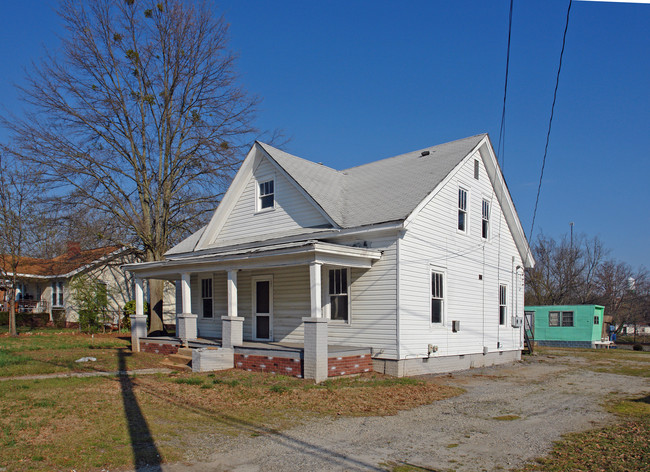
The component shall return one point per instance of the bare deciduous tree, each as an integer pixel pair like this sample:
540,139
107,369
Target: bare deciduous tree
623,292
564,271
139,117
16,217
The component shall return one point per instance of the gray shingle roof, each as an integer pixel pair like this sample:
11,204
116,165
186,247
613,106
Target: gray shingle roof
381,191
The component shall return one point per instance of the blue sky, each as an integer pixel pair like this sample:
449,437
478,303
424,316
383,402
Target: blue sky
354,81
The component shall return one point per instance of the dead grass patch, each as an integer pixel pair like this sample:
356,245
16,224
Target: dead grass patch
88,424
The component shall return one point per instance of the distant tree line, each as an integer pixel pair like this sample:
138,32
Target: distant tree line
579,271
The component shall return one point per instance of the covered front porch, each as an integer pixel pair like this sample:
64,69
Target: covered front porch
268,304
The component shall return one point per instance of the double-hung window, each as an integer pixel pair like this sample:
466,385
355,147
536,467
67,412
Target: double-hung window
485,219
339,294
503,304
266,195
206,297
462,210
437,296
57,293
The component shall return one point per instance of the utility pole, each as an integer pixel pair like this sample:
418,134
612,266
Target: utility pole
571,224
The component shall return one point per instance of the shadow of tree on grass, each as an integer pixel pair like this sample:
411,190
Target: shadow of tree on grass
145,452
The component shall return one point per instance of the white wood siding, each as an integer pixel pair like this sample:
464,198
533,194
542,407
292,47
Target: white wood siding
292,210
433,241
373,305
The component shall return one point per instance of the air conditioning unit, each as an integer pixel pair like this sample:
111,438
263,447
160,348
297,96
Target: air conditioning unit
517,321
455,326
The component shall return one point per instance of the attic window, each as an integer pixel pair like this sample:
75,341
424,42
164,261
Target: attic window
266,195
476,169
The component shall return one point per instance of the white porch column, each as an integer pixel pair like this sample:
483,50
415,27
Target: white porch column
315,326
139,320
232,326
186,328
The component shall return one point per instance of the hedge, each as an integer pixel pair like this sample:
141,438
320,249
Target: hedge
33,320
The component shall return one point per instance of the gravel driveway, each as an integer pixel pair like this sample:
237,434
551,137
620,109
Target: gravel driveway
547,396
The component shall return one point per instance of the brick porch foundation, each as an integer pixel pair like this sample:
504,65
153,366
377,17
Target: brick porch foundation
291,365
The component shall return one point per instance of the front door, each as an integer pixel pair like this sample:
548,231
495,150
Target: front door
263,308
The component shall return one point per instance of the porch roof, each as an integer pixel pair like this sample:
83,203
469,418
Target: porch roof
262,256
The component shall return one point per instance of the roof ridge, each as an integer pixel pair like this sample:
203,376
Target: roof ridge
319,164
428,148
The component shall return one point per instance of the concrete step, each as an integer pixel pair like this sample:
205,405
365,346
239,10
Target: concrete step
185,351
180,359
171,365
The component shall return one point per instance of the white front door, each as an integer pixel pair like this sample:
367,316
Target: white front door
263,308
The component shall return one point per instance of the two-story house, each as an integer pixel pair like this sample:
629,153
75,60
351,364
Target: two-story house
408,265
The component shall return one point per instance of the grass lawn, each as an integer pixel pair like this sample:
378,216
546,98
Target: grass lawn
614,361
119,422
46,351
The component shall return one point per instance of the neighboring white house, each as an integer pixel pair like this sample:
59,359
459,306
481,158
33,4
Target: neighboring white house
43,285
419,257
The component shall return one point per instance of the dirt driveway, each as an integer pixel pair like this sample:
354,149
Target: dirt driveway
507,416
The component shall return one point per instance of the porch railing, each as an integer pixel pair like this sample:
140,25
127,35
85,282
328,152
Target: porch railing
32,306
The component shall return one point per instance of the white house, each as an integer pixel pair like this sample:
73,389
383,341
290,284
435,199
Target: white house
408,265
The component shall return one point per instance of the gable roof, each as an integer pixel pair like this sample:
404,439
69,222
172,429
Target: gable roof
387,191
377,192
64,265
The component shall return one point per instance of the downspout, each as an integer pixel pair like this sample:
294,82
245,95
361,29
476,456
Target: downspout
397,296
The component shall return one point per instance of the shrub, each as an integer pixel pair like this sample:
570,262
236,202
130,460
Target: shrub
58,316
31,320
91,297
128,310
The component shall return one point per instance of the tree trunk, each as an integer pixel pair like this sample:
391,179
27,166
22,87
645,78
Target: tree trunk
156,326
12,312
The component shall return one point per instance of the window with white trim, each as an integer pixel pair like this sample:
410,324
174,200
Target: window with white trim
437,296
338,291
206,297
503,304
57,293
266,195
462,210
485,219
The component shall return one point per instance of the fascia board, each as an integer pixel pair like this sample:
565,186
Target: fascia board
230,199
297,255
300,189
505,201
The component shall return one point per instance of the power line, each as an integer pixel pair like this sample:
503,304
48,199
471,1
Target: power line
550,121
502,129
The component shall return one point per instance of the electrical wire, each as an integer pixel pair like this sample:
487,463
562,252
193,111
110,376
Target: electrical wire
502,128
550,121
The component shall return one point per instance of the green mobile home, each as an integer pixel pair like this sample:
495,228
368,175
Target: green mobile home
566,325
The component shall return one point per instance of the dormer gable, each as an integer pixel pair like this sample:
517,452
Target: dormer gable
263,199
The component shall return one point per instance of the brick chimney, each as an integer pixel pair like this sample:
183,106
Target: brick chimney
74,248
